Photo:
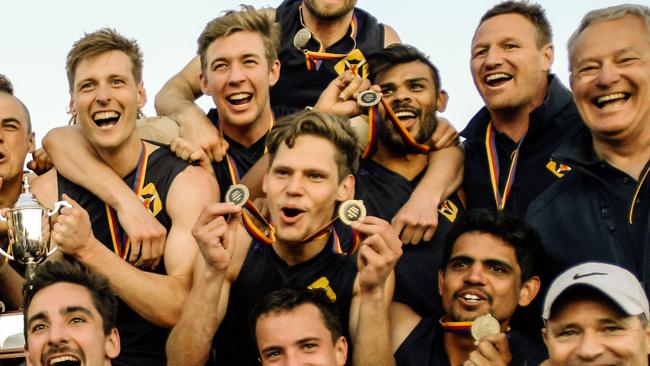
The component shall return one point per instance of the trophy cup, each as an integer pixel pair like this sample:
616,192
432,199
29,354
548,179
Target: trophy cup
29,227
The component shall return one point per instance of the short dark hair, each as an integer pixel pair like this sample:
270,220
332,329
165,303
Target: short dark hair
531,11
5,85
336,129
287,299
395,54
50,273
522,237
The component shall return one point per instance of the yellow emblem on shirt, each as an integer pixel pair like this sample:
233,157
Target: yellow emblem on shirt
353,61
324,283
449,210
151,199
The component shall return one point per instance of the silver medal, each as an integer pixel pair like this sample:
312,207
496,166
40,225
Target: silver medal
351,211
368,98
301,38
485,325
237,194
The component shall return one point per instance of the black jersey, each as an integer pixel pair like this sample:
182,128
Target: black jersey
299,87
142,343
425,346
264,272
416,273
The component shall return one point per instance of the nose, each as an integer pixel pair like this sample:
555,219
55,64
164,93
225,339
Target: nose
103,95
295,185
607,75
236,74
475,275
57,334
493,58
401,95
590,346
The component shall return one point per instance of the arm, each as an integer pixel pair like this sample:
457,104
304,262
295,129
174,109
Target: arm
369,325
176,100
158,298
11,285
220,256
77,160
491,350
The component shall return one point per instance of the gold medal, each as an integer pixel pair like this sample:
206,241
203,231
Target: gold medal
485,325
301,38
351,211
368,98
237,194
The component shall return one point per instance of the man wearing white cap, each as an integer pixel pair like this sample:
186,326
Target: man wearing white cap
596,313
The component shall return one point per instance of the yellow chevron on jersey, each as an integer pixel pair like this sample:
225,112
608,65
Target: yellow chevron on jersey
352,61
324,283
558,169
151,199
449,210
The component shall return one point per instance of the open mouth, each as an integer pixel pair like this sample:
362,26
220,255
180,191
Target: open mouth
497,79
291,212
239,98
106,119
66,360
605,100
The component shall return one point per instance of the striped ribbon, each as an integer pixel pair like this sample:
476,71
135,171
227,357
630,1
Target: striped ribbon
313,59
493,166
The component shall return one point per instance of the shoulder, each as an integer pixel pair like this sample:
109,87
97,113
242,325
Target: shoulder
390,35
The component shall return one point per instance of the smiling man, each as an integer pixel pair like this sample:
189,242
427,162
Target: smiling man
600,211
528,113
487,269
69,317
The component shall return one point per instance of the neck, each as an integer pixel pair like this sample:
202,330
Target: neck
294,253
628,155
406,165
10,190
249,134
458,347
124,158
328,31
514,122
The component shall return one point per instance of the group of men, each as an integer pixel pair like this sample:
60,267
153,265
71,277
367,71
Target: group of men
551,180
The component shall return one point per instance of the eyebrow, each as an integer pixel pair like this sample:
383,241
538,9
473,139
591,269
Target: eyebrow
67,310
10,119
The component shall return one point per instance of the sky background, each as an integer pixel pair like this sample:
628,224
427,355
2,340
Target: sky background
35,37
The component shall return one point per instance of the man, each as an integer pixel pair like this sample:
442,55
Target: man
16,140
329,22
299,326
105,79
312,158
601,208
597,313
488,269
69,317
528,113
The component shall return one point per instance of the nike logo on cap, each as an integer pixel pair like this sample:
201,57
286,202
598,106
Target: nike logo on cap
578,276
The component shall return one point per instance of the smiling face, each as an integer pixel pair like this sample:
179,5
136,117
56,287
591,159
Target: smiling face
591,331
106,99
302,188
238,78
329,9
410,90
15,140
610,78
298,336
65,328
509,68
483,277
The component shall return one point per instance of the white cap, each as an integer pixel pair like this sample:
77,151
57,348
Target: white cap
618,284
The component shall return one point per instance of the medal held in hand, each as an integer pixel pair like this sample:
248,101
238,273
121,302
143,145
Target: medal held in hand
237,194
351,211
485,325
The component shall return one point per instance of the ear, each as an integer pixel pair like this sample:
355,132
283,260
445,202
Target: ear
346,189
113,344
549,55
443,98
265,182
274,72
71,106
545,336
441,280
647,338
204,83
528,291
341,350
142,95
32,142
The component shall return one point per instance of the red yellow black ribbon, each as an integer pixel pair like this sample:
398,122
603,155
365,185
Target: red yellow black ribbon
121,242
493,166
314,58
456,327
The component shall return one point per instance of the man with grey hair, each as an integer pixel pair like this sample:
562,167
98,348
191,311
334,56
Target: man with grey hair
602,207
596,313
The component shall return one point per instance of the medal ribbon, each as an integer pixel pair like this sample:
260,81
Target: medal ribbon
313,58
493,165
456,327
121,242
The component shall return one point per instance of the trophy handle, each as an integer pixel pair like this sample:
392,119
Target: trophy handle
6,255
52,251
57,207
3,212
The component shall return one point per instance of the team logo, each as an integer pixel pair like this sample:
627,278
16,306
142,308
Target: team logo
151,199
558,169
354,61
449,210
324,283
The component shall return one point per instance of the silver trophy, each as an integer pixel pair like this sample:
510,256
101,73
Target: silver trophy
29,225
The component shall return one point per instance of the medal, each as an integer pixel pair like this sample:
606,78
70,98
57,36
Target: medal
485,325
368,98
237,194
301,38
351,211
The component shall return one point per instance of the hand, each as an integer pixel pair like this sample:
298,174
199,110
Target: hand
191,152
41,162
417,219
199,130
491,350
340,96
445,134
378,253
72,231
216,235
146,234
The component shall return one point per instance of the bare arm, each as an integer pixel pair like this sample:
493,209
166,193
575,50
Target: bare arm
402,322
11,285
176,100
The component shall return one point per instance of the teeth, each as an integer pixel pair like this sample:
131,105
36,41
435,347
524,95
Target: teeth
497,76
105,115
403,114
607,98
470,297
56,360
239,96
